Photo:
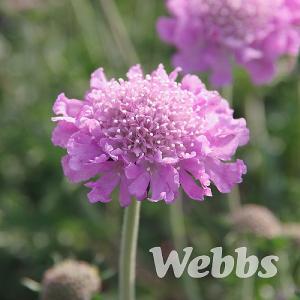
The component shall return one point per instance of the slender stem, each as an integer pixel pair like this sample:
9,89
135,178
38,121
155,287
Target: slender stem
86,19
298,88
256,119
227,93
128,251
119,32
234,198
248,284
180,241
286,280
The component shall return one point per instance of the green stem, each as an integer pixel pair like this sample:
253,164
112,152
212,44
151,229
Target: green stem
119,32
227,93
286,280
248,284
128,251
180,241
234,197
256,119
86,19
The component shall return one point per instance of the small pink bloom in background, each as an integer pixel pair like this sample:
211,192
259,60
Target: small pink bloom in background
212,34
148,135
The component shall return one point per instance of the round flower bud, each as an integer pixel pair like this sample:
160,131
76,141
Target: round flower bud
256,220
70,280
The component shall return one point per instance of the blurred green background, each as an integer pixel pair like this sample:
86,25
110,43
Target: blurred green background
47,47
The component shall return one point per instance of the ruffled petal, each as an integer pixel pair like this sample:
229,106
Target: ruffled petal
84,147
67,107
176,7
160,73
98,79
135,72
124,195
192,83
232,133
189,60
225,175
166,29
139,185
132,171
81,172
197,169
221,70
102,188
62,133
84,157
164,184
261,71
190,187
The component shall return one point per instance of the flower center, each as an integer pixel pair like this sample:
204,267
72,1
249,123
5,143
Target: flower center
148,117
240,20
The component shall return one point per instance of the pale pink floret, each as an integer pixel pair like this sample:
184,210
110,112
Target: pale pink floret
212,34
149,135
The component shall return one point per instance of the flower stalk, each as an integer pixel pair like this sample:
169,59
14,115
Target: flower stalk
127,263
234,197
119,31
179,235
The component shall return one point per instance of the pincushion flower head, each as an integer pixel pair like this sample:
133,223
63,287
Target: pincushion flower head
70,280
212,34
149,135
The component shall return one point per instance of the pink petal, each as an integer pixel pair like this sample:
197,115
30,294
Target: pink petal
83,146
124,195
132,171
232,133
84,172
221,71
139,185
196,168
225,175
102,188
98,79
135,72
190,187
192,83
261,71
62,133
67,107
164,184
166,29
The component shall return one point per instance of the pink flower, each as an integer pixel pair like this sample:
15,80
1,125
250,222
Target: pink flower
149,135
210,34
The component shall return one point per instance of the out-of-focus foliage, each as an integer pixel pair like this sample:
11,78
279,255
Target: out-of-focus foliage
51,46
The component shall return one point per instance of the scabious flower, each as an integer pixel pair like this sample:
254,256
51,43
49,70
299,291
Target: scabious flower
211,34
149,135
